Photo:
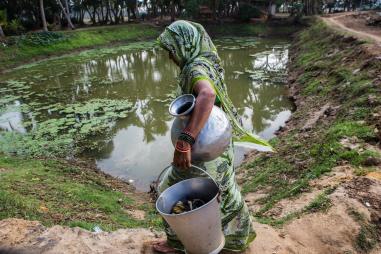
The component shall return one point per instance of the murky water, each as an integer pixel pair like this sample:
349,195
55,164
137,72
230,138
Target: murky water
138,146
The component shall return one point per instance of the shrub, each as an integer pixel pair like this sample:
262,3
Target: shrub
42,38
192,8
248,11
14,27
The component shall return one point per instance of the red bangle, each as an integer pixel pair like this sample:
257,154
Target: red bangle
181,149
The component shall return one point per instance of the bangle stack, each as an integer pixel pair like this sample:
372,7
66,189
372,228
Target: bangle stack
186,137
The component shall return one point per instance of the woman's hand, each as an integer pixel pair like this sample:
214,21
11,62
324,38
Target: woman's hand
182,159
200,114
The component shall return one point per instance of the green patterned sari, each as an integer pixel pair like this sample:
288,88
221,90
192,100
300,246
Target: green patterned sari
194,51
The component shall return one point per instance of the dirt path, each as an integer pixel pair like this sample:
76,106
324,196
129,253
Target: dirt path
333,231
354,23
21,236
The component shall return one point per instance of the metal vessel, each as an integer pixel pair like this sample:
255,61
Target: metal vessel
214,137
199,230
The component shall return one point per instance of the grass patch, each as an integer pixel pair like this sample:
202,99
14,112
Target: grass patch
320,203
285,178
368,235
249,29
366,239
24,48
330,69
21,49
55,192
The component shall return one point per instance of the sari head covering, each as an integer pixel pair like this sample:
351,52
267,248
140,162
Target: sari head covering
191,47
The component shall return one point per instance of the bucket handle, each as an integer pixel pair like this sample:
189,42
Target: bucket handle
202,170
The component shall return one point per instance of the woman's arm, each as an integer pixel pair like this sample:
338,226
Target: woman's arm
204,104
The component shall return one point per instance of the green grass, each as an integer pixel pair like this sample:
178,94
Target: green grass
24,49
248,29
330,70
368,235
23,52
367,238
321,203
56,192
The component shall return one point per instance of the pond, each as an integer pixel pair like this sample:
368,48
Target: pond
117,100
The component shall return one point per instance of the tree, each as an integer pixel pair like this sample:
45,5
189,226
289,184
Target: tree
173,10
66,12
3,19
44,24
131,9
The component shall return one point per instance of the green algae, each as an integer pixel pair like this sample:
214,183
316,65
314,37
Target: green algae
92,53
65,134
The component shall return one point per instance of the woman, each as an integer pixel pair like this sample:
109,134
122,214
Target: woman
191,48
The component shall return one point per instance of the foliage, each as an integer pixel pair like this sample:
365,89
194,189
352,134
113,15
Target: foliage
248,11
56,192
21,50
3,17
192,8
14,27
42,38
296,9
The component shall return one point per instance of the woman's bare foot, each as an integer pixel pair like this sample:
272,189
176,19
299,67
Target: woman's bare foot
162,247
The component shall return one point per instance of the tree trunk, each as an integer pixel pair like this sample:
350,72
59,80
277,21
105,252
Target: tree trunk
106,19
2,35
66,13
91,15
215,8
121,12
102,13
67,7
44,24
173,13
81,15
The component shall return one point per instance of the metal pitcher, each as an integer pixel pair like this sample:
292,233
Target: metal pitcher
214,137
199,230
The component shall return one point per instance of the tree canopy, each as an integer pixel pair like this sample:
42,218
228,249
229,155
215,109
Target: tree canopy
19,16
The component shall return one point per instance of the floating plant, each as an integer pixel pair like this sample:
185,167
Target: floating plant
60,135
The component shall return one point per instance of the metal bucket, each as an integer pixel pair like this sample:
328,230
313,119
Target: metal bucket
199,230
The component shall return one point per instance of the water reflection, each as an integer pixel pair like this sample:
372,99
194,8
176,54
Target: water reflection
12,120
138,146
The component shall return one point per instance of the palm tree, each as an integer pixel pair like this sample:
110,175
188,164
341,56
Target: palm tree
44,24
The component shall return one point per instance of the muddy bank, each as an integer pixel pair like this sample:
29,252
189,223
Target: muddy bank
328,155
70,193
331,231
